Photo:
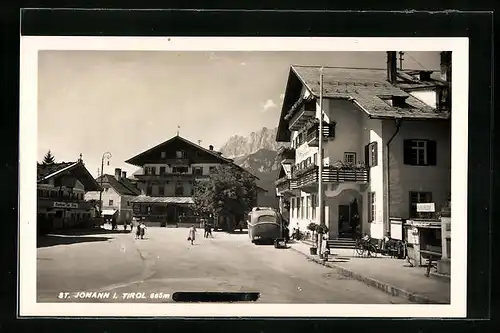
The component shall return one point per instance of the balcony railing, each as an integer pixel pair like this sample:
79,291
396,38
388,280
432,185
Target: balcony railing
312,134
285,184
177,161
309,175
285,153
300,119
167,175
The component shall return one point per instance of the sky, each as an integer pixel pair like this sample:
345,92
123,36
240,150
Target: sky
125,102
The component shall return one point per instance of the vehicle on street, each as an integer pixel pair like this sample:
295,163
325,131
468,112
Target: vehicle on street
265,225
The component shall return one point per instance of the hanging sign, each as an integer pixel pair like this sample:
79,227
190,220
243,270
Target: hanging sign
65,205
426,207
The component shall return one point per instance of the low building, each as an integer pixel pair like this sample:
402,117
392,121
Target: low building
61,189
117,195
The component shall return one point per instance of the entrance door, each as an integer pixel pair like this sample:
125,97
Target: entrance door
344,221
171,214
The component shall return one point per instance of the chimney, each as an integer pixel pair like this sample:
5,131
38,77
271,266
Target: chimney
118,173
211,147
124,174
446,66
391,66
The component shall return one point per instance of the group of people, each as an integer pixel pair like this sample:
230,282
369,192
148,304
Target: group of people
192,232
141,230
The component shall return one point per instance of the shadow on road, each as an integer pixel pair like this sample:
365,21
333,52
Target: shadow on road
94,231
53,240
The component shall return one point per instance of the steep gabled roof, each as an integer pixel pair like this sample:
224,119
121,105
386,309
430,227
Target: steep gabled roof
122,186
224,160
134,160
76,169
363,87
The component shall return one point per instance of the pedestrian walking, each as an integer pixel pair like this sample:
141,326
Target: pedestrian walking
138,232
207,227
210,230
142,228
192,234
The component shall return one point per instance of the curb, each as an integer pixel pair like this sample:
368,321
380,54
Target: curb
385,287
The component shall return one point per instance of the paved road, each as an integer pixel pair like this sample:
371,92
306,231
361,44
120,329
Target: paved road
165,262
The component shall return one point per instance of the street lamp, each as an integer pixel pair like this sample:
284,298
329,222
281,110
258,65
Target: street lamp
106,155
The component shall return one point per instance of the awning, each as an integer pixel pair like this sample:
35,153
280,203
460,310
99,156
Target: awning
164,200
108,211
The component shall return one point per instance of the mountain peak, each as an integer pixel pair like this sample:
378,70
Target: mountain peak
238,145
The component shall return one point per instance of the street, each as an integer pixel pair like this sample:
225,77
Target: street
165,262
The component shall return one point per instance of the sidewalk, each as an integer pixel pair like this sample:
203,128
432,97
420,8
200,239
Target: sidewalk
394,276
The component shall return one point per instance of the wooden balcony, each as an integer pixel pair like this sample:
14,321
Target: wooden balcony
167,176
177,161
300,119
308,177
284,185
286,154
312,133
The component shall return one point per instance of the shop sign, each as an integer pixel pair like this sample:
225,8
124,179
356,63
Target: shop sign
426,207
65,205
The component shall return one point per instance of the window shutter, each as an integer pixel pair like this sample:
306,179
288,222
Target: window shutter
407,151
367,156
431,152
375,154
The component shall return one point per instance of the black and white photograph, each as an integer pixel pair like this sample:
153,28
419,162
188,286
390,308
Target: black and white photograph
274,175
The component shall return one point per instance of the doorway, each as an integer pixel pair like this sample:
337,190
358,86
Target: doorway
345,221
171,214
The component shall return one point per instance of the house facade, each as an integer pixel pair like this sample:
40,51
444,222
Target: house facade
386,147
61,189
117,195
167,177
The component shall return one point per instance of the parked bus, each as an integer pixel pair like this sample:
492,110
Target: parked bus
265,225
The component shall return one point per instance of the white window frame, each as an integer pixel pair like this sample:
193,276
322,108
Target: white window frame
417,146
348,155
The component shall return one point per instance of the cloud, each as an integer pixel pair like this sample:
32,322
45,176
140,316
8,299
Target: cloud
269,105
243,64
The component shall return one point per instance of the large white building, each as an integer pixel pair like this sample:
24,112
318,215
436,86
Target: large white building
117,195
386,146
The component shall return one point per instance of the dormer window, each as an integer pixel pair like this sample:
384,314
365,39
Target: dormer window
396,101
425,75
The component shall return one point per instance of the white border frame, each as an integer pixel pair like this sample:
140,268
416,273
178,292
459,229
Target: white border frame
28,155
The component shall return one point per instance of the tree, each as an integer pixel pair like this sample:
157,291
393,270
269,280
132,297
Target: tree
48,158
228,191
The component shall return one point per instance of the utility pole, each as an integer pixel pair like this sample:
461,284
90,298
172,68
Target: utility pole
106,155
320,157
199,142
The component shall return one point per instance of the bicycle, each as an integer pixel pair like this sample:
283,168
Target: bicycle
365,245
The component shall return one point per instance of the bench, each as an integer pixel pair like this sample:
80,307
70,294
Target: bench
431,256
